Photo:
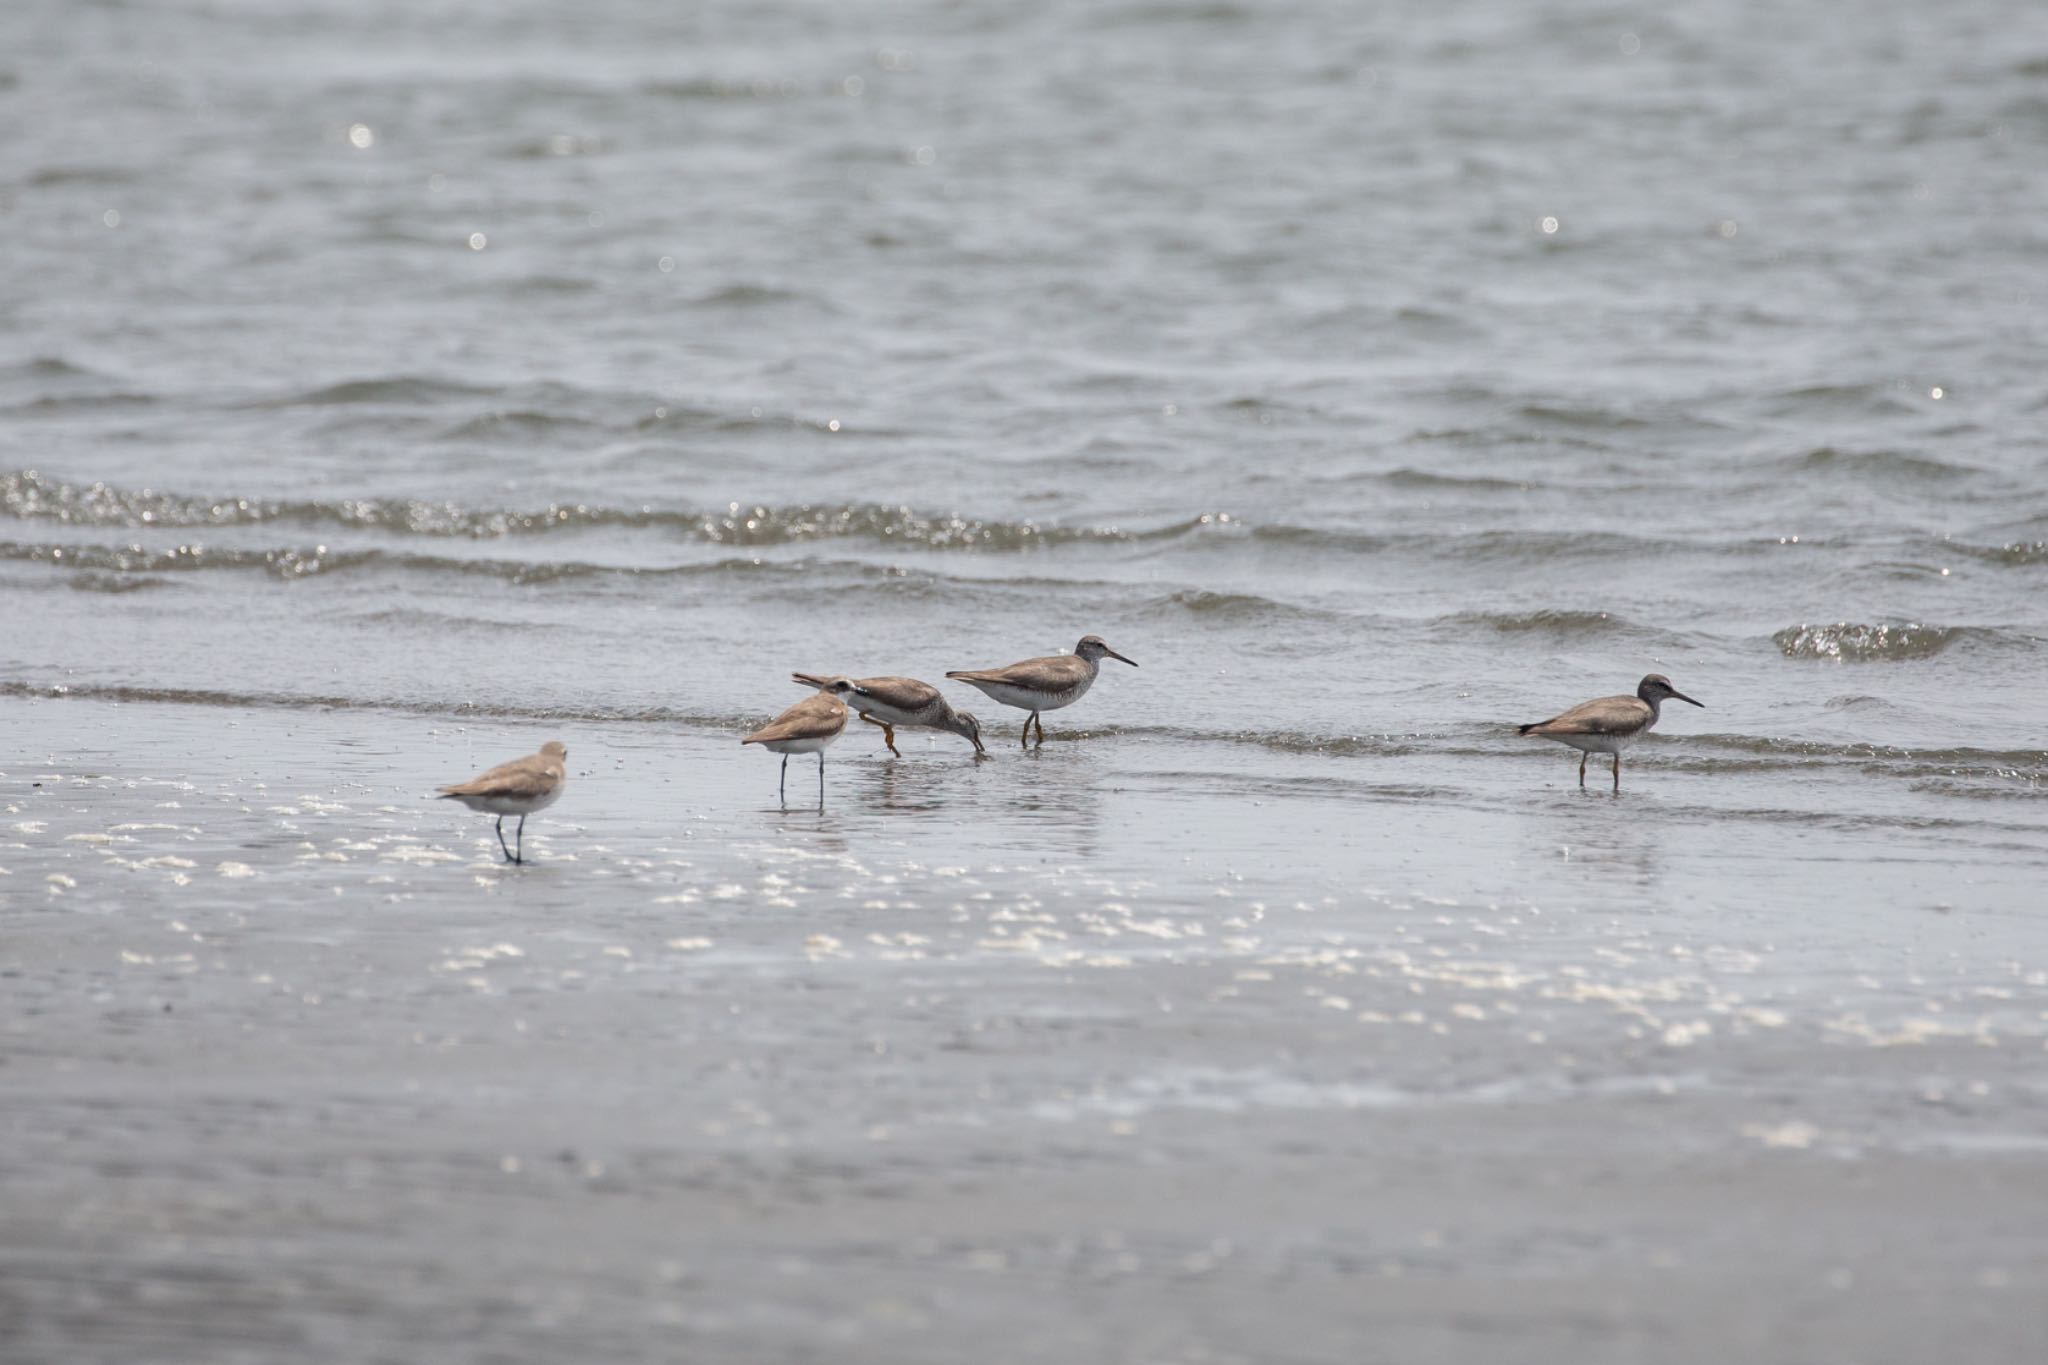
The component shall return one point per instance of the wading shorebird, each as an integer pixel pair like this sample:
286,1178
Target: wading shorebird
1609,724
1044,684
521,787
890,702
806,728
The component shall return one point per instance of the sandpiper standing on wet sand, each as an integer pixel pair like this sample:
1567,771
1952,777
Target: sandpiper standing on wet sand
890,702
806,728
1044,684
521,787
1609,724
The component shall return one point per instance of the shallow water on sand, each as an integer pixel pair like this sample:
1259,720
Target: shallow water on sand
390,388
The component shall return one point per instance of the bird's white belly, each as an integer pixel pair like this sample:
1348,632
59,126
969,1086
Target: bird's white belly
882,711
1598,744
512,805
1028,699
797,746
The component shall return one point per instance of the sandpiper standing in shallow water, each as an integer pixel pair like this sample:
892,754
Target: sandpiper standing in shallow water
1044,684
1610,724
521,787
806,728
890,702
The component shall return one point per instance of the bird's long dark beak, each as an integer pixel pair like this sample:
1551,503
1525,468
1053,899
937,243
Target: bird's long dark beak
1682,697
1114,655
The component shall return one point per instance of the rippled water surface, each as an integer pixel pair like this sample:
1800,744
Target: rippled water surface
387,388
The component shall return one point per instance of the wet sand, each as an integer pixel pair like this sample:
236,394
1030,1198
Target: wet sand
295,1068
390,387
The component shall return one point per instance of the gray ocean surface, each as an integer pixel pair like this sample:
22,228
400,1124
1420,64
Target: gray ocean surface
386,388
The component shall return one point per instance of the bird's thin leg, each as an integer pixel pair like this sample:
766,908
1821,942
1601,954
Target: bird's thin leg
1617,771
782,781
821,779
501,838
888,733
519,841
1040,718
1025,739
887,738
1582,771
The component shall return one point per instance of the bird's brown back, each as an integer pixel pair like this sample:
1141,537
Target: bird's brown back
1604,716
903,694
1054,673
533,776
815,717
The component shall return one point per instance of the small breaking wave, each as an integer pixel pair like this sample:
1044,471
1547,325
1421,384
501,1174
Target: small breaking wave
101,560
1233,606
1542,622
297,701
2014,553
28,494
1850,642
298,562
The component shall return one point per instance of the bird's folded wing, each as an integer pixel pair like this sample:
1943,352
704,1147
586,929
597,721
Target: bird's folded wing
905,694
1052,673
1607,716
533,776
811,718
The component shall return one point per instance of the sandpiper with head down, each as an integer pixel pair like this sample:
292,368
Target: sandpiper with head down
1044,684
890,702
521,787
1609,724
806,728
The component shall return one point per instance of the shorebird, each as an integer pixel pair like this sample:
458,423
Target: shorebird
1609,724
521,787
890,702
806,728
1044,684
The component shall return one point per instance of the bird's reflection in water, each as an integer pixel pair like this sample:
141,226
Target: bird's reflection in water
824,829
1058,789
1608,841
1006,801
901,786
